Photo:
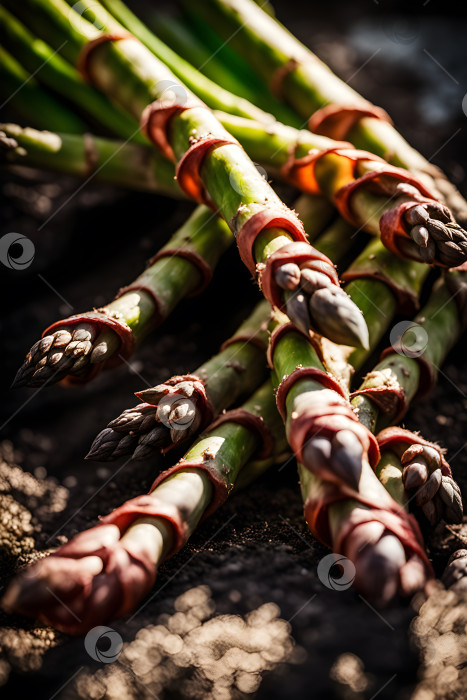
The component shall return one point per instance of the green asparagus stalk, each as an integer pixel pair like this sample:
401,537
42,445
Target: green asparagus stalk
78,347
22,93
177,409
345,504
213,93
422,349
180,408
304,82
127,165
406,370
61,78
125,70
222,65
335,456
65,589
428,226
333,172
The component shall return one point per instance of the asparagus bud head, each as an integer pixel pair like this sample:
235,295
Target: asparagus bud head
455,574
313,302
85,583
162,421
337,459
381,565
436,234
437,494
70,350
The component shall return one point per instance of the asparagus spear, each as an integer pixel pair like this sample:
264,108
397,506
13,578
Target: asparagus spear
381,199
409,369
211,167
335,456
61,78
180,408
455,574
189,402
213,93
368,192
346,506
78,347
297,76
21,91
104,573
114,162
229,71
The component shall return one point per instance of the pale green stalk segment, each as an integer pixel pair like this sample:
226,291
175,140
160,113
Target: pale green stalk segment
60,77
112,162
309,85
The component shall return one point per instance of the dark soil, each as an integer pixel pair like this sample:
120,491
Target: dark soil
96,240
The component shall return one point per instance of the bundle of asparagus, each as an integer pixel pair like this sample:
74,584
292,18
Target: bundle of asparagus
412,223
103,573
297,76
186,136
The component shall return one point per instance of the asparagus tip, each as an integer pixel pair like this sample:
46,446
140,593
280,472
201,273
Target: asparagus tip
436,234
346,457
338,318
340,457
378,569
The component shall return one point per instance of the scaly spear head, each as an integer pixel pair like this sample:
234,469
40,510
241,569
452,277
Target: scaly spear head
346,457
336,317
378,557
111,444
156,438
84,583
378,570
438,495
436,234
66,351
339,459
139,419
455,574
313,302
